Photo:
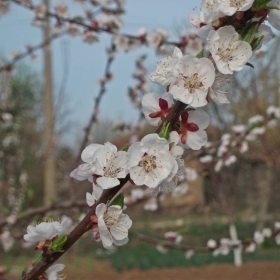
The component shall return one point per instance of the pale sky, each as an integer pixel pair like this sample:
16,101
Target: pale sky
86,63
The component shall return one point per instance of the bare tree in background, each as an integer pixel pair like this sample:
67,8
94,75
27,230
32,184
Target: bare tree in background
49,173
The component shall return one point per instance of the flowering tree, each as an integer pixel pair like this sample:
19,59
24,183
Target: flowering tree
192,74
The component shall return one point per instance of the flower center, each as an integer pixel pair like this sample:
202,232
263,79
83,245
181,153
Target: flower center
236,3
225,54
111,170
209,5
192,82
148,163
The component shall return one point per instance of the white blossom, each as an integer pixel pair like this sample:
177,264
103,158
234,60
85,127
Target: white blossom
137,194
218,165
161,249
216,94
7,240
211,243
73,29
110,165
243,147
267,232
192,130
40,11
52,272
91,198
121,43
206,159
274,15
90,37
86,170
190,174
273,111
256,119
229,53
151,204
156,37
105,20
173,236
170,183
193,80
266,31
258,237
44,231
113,225
250,248
150,161
239,128
189,253
229,7
209,11
61,9
166,68
229,160
180,190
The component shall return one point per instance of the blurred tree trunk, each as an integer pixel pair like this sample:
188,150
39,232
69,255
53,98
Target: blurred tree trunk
49,170
264,179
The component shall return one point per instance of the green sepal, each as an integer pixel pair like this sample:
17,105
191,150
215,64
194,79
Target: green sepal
200,54
271,7
254,125
58,243
78,19
164,131
125,148
30,193
119,200
250,65
189,109
260,3
256,42
37,260
249,33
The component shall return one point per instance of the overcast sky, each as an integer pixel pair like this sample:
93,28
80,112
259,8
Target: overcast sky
86,63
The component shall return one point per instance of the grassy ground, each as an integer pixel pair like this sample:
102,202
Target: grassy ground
138,260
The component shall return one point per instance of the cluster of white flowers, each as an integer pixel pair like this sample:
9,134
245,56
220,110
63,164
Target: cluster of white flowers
242,134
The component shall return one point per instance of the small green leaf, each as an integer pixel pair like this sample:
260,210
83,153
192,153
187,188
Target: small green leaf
125,147
164,131
249,32
119,200
200,54
58,243
256,42
260,3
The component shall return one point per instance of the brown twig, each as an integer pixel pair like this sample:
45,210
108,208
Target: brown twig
96,28
44,209
86,224
30,50
167,244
